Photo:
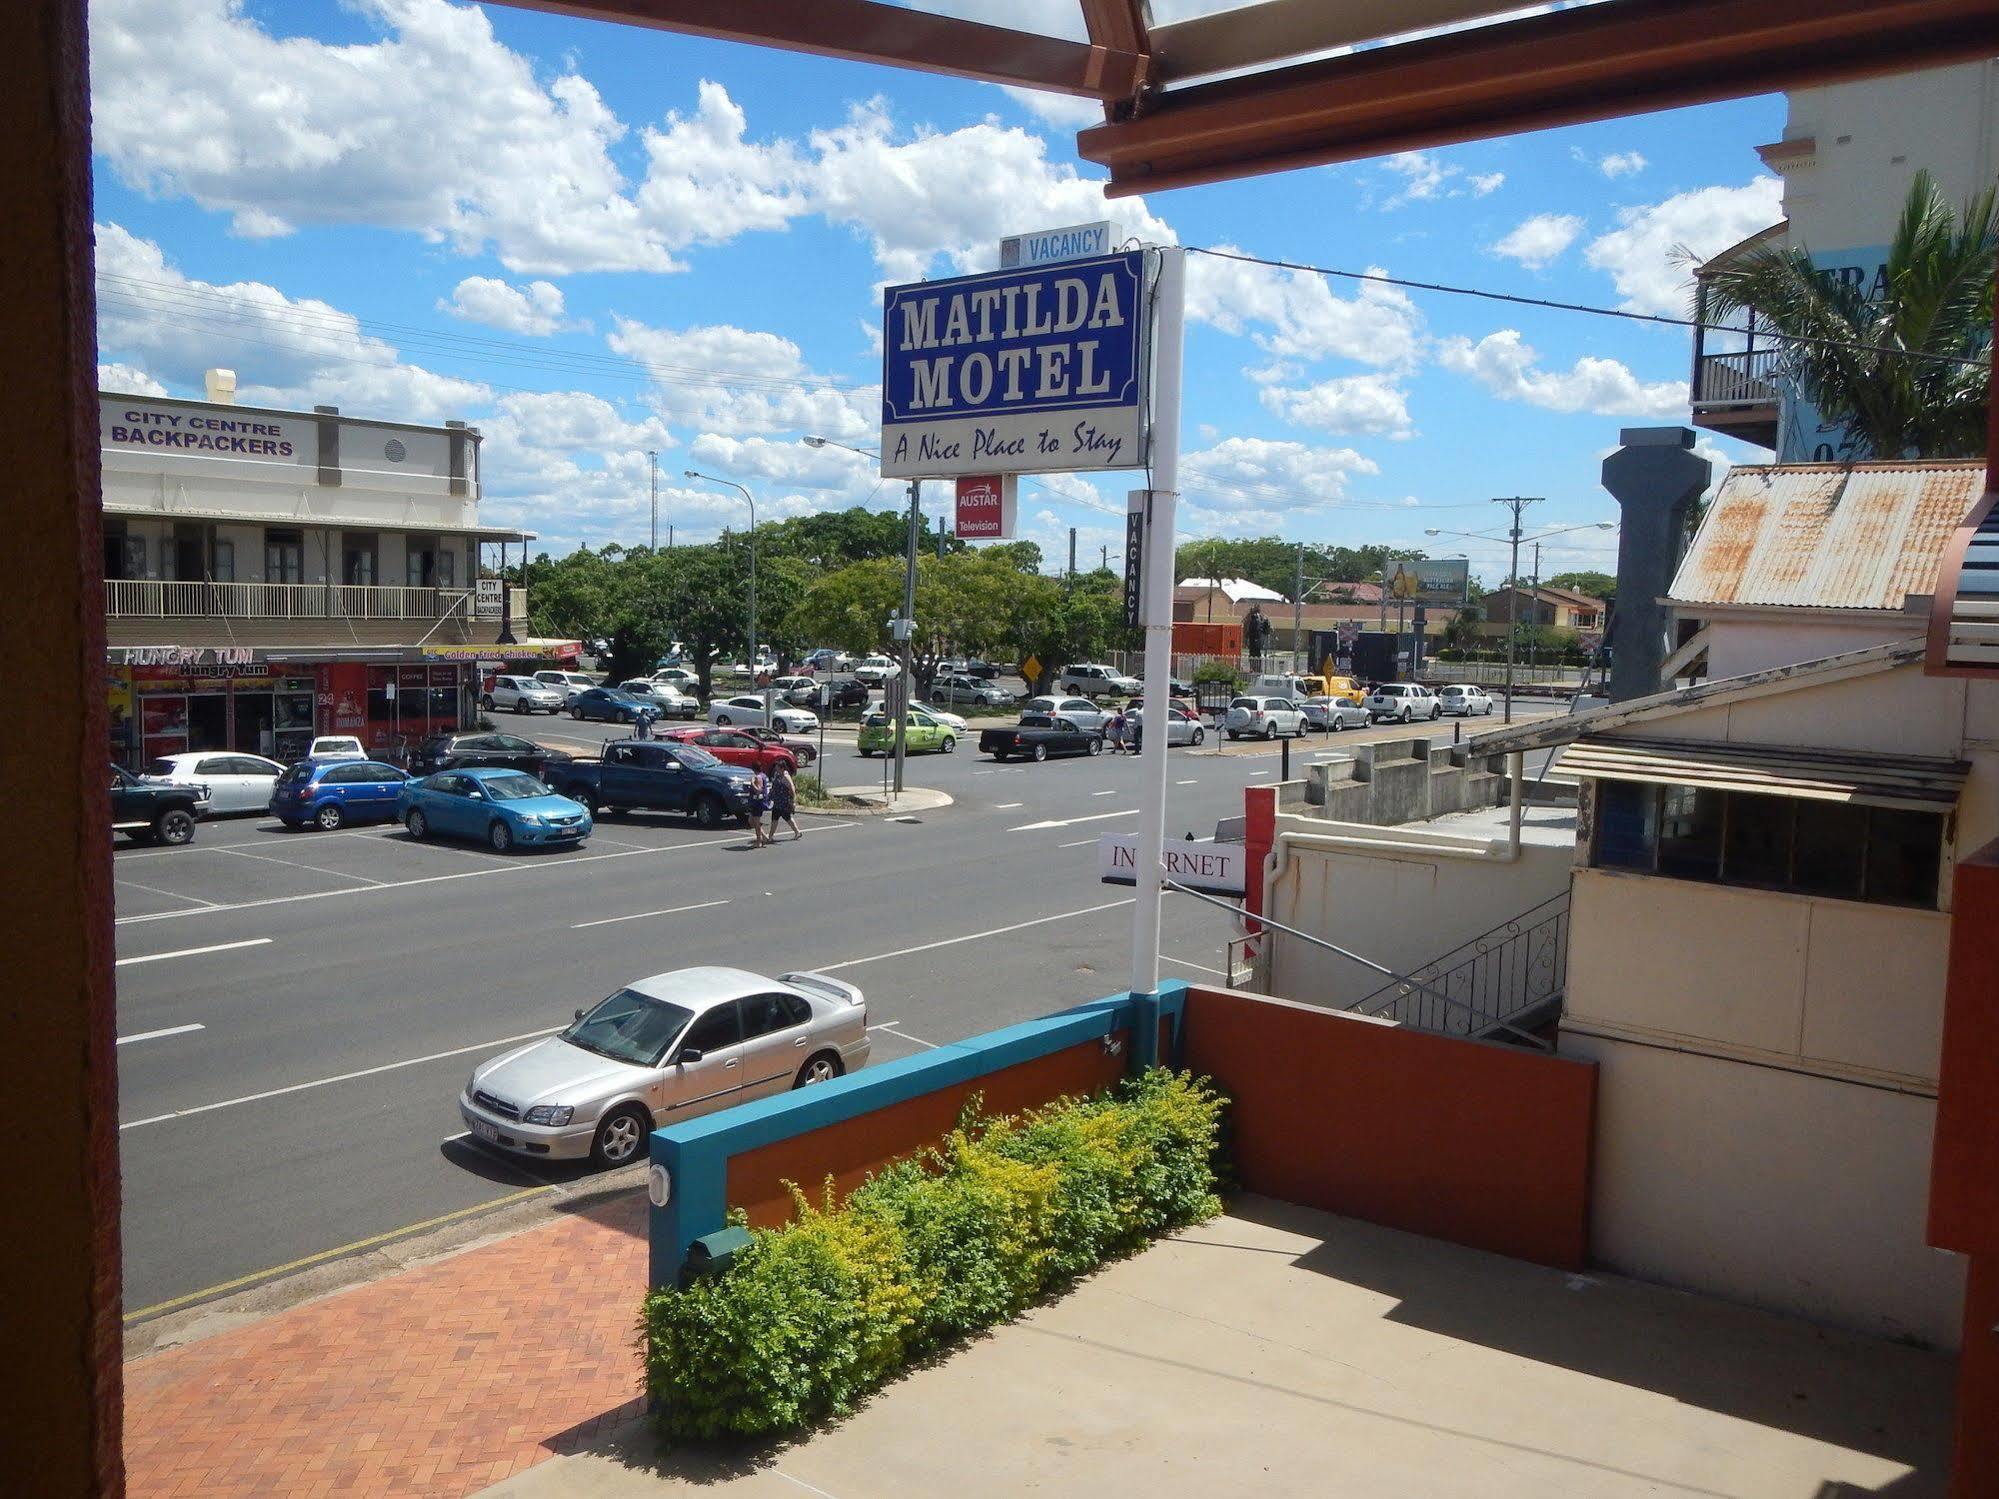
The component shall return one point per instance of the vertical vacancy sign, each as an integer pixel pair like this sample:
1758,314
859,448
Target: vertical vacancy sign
1030,371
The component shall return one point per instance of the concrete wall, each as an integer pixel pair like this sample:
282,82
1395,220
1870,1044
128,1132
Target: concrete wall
1764,1127
1739,646
1399,906
1402,781
1469,1141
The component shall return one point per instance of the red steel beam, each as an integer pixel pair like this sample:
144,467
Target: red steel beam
1600,62
867,31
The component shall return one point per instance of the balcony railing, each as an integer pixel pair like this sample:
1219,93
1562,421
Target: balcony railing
152,598
1745,378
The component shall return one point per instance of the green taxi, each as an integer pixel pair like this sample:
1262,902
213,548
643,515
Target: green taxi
925,733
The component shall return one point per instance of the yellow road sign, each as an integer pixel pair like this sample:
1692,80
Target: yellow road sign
1031,668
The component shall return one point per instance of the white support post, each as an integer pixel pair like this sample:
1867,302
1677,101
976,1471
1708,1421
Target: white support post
1170,314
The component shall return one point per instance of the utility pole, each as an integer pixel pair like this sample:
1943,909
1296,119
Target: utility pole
1534,605
652,457
1518,504
1072,551
907,628
1298,612
1104,561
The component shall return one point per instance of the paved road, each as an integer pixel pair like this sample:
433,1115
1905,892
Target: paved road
298,1010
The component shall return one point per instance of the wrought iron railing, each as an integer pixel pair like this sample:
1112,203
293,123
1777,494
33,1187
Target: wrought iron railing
155,598
1487,983
1744,378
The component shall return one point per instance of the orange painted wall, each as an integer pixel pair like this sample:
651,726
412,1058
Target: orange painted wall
848,1152
1196,639
1470,1141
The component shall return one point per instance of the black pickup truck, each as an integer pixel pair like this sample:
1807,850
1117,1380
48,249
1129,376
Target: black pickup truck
1037,736
656,776
154,811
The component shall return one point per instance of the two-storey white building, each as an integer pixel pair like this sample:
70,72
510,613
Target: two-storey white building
270,575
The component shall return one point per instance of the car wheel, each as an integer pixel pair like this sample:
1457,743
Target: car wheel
1270,731
822,1068
1040,752
621,1136
1200,736
586,800
329,817
1435,714
1408,715
175,825
1096,747
577,714
486,701
418,825
500,836
948,744
722,720
1233,735
708,810
867,754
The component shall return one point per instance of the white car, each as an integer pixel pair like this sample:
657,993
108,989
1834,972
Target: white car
523,695
670,700
568,683
1333,714
748,712
1465,701
875,670
236,782
1080,711
336,747
804,691
660,1050
1181,727
1090,680
1403,702
952,721
1263,718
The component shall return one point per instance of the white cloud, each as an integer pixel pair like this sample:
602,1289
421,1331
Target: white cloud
1540,240
1064,111
295,351
1254,475
534,309
742,382
128,380
1350,406
1622,164
1484,183
1505,364
1426,179
1378,325
1642,255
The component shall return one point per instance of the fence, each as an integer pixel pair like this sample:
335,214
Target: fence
154,598
1482,985
1739,379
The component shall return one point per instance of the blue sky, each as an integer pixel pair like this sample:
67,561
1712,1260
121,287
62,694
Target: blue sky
591,241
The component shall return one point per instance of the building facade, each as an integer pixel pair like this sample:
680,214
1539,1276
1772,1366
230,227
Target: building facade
1541,608
271,575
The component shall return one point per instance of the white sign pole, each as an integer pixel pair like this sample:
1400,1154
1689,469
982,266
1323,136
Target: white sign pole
1164,452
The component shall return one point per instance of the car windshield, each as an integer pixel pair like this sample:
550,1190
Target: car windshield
695,757
513,788
629,1027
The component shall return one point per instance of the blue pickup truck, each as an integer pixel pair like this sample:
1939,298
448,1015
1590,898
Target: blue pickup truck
657,777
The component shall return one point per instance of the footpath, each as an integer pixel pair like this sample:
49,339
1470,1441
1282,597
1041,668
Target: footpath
440,1381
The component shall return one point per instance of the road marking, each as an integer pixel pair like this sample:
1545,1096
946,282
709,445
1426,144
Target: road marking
894,1027
998,931
344,1077
520,866
193,952
294,864
1036,827
641,915
1188,963
1079,843
1186,783
169,894
329,1254
1009,806
172,1030
1112,792
1255,773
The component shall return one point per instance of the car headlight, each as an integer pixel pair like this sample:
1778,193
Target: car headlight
531,819
548,1113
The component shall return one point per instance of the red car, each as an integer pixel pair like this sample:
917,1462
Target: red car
734,747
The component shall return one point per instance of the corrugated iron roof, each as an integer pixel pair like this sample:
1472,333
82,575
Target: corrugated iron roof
1827,536
1778,770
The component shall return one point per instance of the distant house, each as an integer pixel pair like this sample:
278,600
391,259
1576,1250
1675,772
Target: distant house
1545,607
1214,600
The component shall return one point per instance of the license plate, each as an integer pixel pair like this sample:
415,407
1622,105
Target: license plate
485,1131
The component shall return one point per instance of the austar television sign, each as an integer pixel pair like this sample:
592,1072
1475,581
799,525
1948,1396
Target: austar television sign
1022,371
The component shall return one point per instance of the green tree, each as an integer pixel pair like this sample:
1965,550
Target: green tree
1272,562
1888,367
837,537
964,602
1596,585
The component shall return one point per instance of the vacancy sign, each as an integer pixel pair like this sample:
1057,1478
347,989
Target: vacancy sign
1216,867
987,507
1037,370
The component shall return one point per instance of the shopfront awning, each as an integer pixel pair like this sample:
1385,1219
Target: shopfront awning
1773,770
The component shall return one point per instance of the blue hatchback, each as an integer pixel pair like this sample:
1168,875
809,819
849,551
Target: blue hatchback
500,807
327,793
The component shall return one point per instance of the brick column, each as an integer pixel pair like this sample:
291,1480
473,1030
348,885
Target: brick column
59,1193
1259,807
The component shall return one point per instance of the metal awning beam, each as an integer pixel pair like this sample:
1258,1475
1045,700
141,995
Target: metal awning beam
1277,30
868,31
1599,62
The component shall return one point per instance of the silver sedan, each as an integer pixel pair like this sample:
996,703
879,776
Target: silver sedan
1181,727
1332,714
660,1050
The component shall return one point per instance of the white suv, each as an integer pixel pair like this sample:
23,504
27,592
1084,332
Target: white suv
522,695
876,670
1403,702
1263,718
568,683
1098,681
1466,702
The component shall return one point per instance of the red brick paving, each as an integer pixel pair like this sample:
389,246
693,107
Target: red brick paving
438,1381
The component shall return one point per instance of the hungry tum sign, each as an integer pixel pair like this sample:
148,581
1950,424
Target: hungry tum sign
1021,371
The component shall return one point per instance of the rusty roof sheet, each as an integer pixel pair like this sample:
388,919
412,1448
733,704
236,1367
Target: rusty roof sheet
1827,536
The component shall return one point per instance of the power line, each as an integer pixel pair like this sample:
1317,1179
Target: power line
1380,279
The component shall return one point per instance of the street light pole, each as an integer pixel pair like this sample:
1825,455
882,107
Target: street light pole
1534,604
652,458
1518,504
750,500
907,628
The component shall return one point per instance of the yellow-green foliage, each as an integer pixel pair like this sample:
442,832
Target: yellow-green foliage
815,1314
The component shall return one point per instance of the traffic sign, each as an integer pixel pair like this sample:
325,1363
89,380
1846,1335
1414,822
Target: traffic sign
1031,669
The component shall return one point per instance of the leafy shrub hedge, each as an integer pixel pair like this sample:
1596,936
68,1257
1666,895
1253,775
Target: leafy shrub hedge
814,1315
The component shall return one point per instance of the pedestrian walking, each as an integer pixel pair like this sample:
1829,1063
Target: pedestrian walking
759,804
641,725
1114,730
783,801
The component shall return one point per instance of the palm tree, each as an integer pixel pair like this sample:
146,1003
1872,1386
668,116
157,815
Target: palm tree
1906,373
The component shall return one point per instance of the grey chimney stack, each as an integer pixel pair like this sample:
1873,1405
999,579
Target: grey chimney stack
1655,478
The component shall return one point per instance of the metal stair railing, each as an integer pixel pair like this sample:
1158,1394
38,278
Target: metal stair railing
1517,967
